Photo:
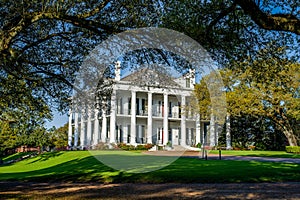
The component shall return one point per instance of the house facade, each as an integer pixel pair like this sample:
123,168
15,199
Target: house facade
142,110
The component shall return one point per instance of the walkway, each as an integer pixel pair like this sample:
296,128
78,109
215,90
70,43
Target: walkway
195,154
140,191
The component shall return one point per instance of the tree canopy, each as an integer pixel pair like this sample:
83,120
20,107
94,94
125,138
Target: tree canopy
44,42
265,86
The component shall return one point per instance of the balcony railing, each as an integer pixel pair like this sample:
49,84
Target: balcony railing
142,112
156,114
174,115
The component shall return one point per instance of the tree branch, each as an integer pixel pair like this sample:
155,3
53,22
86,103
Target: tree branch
80,20
224,13
278,22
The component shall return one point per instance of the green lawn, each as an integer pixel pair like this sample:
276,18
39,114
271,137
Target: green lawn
81,166
278,154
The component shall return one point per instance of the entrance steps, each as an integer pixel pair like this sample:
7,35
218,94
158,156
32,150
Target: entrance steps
176,148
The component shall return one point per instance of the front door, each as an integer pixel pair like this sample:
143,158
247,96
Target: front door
175,136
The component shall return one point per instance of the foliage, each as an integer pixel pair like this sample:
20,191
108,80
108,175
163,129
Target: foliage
7,137
293,149
267,85
262,94
248,130
43,42
59,137
101,146
22,113
230,30
128,147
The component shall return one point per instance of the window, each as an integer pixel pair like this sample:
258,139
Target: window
188,82
129,105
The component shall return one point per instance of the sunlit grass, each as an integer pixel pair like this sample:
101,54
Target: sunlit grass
83,167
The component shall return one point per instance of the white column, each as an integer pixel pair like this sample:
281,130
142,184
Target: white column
133,118
212,131
96,127
183,122
228,135
198,129
89,127
112,137
166,134
104,126
149,126
82,129
70,133
76,131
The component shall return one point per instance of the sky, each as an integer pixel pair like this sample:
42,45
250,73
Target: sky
58,120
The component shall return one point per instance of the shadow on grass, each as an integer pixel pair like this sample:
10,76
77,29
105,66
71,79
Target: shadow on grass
183,170
47,156
16,156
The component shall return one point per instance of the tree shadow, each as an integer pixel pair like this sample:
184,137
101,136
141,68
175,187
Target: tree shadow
47,156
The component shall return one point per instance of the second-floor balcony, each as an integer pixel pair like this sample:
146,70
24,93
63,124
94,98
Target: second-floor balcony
174,115
142,112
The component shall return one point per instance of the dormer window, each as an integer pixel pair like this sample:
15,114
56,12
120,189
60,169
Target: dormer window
188,82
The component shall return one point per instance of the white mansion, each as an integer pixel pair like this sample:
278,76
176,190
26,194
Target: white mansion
155,113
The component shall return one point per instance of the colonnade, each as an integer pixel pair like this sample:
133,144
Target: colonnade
88,128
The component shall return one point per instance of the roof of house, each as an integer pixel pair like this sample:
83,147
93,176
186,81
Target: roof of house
150,77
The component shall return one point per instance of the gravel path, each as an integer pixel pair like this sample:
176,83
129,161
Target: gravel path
31,190
195,154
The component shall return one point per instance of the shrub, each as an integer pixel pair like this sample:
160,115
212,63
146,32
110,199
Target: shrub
144,146
293,149
251,147
128,147
199,145
148,146
101,146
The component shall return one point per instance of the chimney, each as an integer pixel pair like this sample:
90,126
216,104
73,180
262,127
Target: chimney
117,70
192,77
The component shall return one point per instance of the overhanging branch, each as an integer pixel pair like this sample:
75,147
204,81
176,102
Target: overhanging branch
277,22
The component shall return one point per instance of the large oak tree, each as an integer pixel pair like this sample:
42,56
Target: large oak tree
42,43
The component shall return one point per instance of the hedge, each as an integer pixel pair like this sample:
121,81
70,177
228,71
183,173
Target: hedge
293,149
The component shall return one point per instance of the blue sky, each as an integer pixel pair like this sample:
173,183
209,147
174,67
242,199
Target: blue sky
58,120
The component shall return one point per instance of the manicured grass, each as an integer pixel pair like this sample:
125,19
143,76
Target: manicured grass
278,154
80,166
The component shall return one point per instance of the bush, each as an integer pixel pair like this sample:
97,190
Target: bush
128,147
101,146
144,146
199,145
293,149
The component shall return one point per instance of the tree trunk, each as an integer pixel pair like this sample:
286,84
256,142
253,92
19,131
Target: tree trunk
289,134
286,128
